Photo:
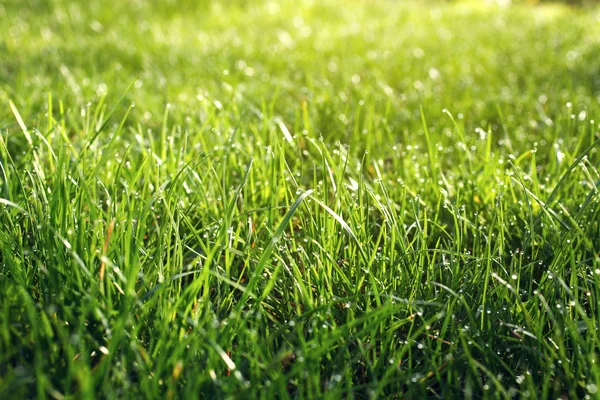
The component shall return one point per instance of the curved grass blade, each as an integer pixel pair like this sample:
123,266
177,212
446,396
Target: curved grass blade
267,252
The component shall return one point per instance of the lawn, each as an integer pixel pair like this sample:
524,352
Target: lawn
299,199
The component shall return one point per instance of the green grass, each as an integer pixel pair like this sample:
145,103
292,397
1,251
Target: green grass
315,199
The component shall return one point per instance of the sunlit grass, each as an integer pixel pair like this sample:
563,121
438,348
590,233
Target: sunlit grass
302,199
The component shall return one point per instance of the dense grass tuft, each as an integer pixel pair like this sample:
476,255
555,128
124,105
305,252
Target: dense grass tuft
302,199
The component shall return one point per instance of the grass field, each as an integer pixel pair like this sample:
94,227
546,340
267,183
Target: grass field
305,199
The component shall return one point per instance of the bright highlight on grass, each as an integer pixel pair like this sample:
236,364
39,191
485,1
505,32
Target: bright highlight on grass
299,200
